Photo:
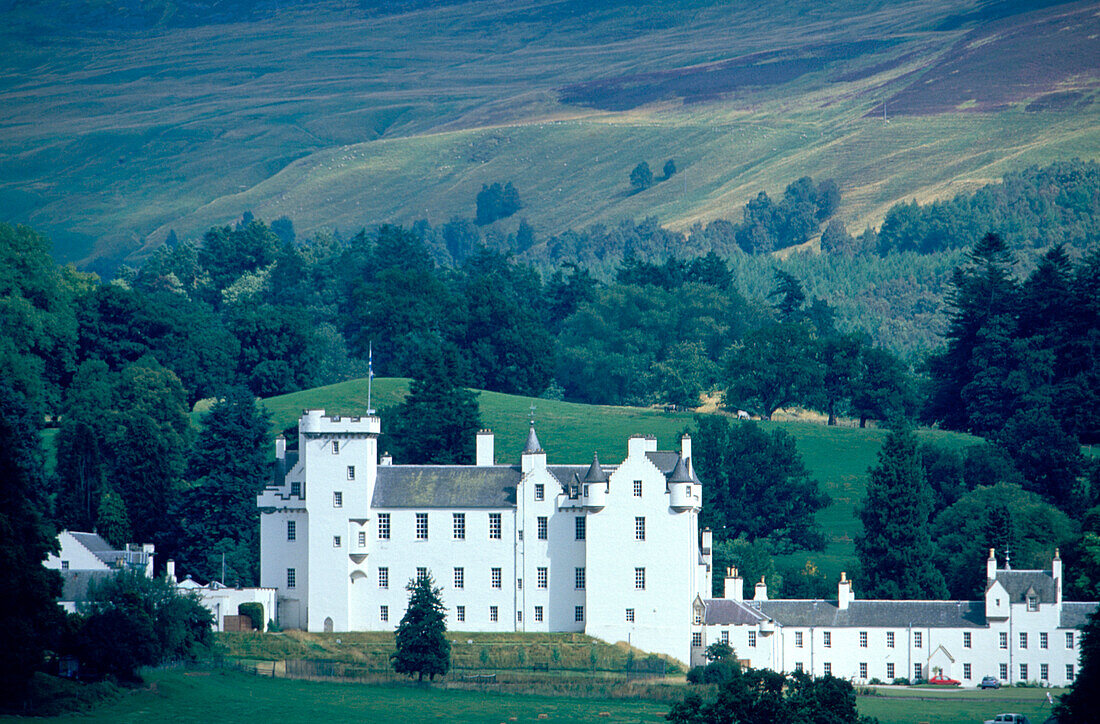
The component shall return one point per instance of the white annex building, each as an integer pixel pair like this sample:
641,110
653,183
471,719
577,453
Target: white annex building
1021,632
613,551
609,550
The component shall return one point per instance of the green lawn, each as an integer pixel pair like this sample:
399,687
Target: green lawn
570,432
906,706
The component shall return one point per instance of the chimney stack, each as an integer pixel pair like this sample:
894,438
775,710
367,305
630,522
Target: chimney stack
485,455
761,591
735,586
844,592
280,448
991,566
1056,573
685,447
170,571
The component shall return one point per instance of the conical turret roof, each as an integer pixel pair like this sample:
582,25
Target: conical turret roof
680,473
532,445
595,473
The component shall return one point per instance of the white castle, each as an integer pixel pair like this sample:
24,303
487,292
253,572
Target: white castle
613,551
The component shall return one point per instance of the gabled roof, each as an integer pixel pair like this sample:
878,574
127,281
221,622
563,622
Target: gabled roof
445,486
860,614
1017,584
665,460
100,548
282,467
723,611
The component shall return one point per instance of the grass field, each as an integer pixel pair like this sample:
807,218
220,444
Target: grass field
336,118
201,696
570,432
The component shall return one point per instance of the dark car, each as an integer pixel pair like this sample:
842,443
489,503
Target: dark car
990,682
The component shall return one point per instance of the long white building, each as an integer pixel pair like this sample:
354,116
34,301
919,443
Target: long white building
1022,631
614,551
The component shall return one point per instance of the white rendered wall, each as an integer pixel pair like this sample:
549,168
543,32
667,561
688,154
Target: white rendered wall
79,557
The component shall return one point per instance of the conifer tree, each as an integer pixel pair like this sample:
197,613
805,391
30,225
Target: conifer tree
895,548
422,645
437,421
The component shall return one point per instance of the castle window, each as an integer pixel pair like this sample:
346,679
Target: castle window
829,668
291,577
291,530
494,613
798,666
519,616
337,499
726,637
1032,603
296,489
384,613
967,672
422,526
637,488
918,639
967,640
639,579
65,565
889,672
581,529
538,614
335,447
460,613
494,525
1069,639
863,641
917,672
890,640
1002,641
460,577
542,528
639,527
351,472
1023,672
578,613
1023,639
1044,672
336,542
460,526
828,637
630,615
383,577
863,670
362,539
578,578
697,639
1069,673
752,639
1043,640
798,639
421,573
541,576
540,491
384,526
494,577
1003,671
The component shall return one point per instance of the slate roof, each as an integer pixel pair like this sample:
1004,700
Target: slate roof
1075,614
863,614
724,611
100,548
665,460
1017,583
532,445
595,473
282,467
680,473
74,584
445,486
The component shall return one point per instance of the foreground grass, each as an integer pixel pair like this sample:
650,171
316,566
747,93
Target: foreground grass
571,432
908,705
235,697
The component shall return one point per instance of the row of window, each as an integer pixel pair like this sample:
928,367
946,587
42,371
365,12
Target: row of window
494,614
459,525
540,490
542,578
918,639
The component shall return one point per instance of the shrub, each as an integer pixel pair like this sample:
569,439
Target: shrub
255,612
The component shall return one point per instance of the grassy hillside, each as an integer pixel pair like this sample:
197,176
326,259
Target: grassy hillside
338,117
569,432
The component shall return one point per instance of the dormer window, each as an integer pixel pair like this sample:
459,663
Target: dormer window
1032,603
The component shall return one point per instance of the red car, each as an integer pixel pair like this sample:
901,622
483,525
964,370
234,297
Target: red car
941,680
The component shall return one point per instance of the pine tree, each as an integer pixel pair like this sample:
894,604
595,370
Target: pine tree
421,641
437,421
112,521
895,549
1082,701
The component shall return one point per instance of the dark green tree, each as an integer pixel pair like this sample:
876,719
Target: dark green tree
760,696
83,456
437,421
29,614
773,367
1080,704
883,388
895,548
112,520
641,178
756,485
840,359
669,169
421,641
229,467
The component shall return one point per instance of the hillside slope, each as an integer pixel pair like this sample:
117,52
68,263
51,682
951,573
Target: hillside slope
338,116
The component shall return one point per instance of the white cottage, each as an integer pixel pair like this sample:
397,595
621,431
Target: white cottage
614,551
1021,632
